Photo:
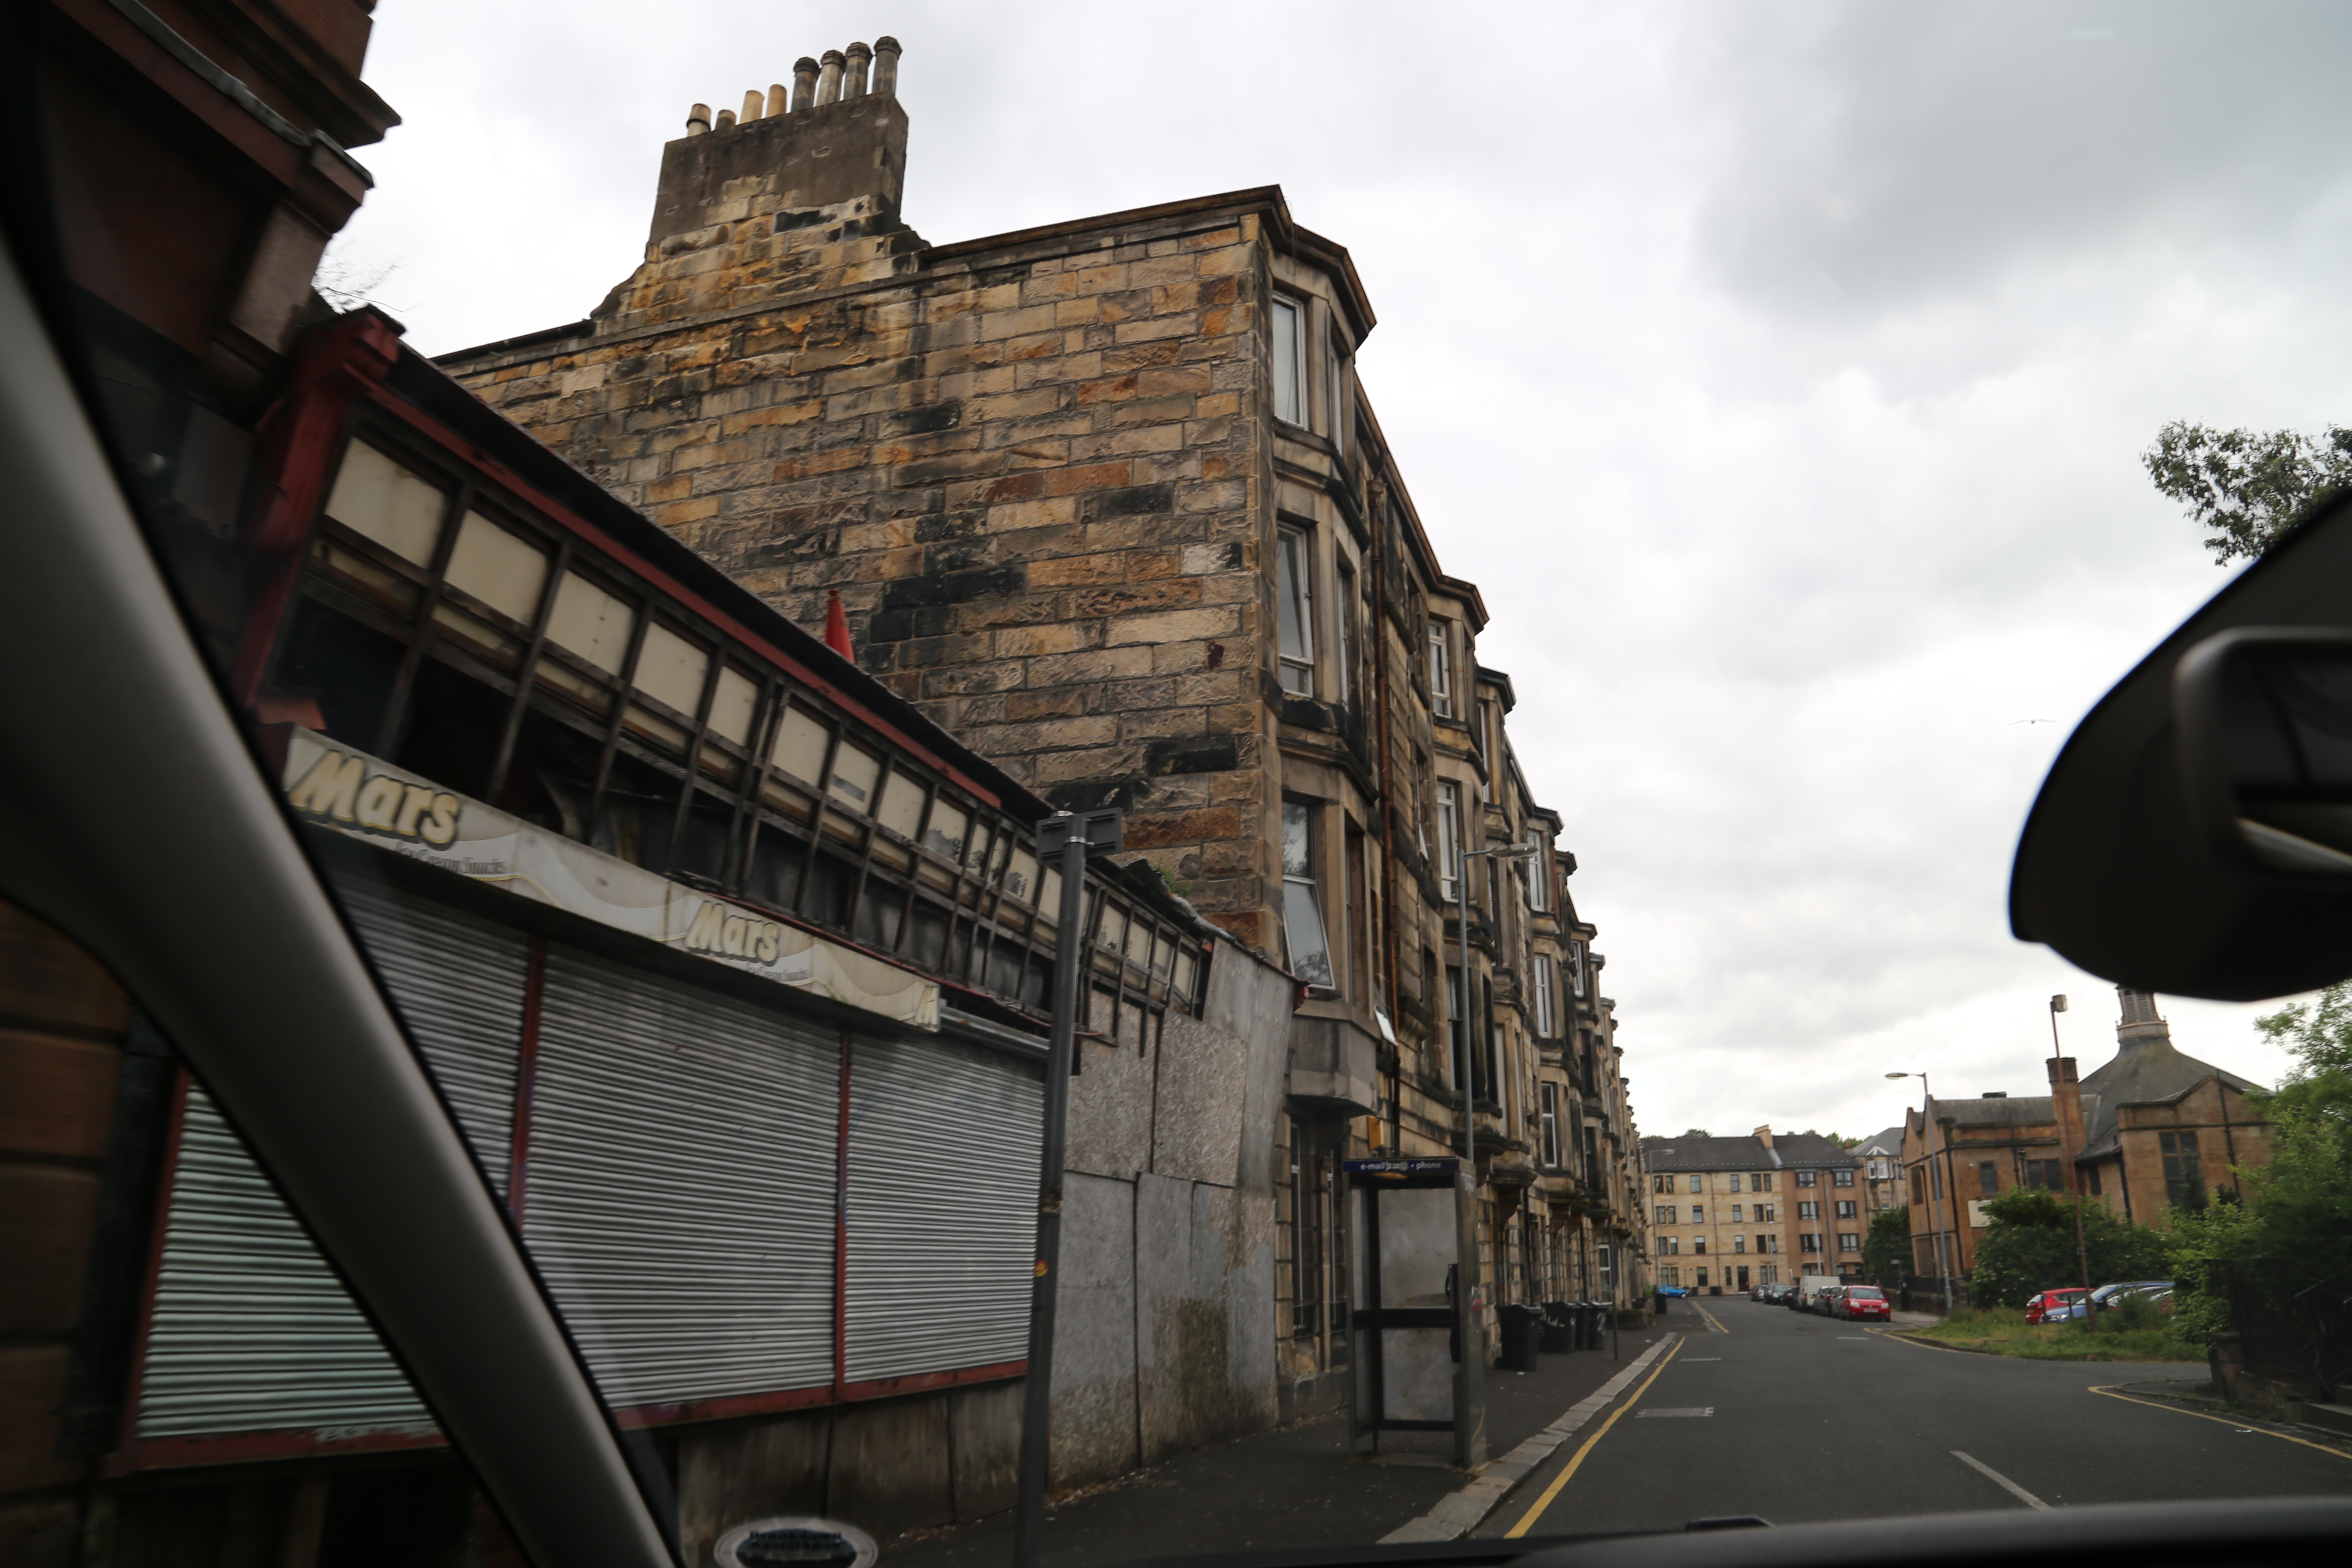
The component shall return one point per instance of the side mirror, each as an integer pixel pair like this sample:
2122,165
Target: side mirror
2194,836
2263,718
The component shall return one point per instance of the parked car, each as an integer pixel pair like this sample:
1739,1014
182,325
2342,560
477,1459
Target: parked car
2048,1306
1672,1290
1825,1301
2107,1296
1856,1302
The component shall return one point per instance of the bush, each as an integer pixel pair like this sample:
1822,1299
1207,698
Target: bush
2030,1248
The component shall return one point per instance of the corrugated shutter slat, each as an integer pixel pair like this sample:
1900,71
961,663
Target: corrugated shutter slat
251,1331
943,1210
681,1183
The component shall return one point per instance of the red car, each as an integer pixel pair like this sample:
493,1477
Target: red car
2050,1304
1859,1301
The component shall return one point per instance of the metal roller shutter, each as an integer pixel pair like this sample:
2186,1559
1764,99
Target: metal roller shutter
943,1210
459,981
681,1204
251,1330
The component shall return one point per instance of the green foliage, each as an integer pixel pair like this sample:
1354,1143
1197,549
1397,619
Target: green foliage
1887,1250
2249,486
2298,1206
1696,1133
2132,1333
2029,1246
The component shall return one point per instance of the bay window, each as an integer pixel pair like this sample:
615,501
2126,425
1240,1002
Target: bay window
1449,840
1289,360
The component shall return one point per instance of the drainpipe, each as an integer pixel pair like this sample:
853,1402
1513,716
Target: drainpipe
1376,495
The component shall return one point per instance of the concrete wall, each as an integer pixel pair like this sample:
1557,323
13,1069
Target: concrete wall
1167,1315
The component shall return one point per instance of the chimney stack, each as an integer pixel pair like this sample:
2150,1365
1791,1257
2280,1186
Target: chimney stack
853,81
886,67
804,84
1764,1135
828,78
2066,1111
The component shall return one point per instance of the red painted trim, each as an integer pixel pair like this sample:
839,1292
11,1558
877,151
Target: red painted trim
915,1382
251,1448
433,429
135,1384
526,1081
841,1232
301,438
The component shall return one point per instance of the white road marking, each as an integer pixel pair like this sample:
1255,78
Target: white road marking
2003,1482
1690,1360
1684,1410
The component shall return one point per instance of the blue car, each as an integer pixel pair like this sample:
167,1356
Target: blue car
2107,1296
1673,1290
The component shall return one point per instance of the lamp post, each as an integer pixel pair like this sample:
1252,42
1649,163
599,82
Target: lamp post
2073,1176
1470,1379
1927,1114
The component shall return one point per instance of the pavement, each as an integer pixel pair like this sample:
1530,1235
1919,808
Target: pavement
1295,1486
1744,1410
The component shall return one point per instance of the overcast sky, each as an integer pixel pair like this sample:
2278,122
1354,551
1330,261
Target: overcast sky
1780,372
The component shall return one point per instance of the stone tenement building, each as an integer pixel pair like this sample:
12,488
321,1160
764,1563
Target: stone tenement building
1106,500
1727,1214
2151,1129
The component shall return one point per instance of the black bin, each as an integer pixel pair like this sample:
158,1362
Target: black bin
1664,1302
1590,1321
1559,1328
1521,1333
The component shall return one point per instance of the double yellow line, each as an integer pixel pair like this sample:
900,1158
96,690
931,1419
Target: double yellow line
1570,1469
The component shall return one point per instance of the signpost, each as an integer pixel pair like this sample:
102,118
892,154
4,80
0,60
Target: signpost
1066,838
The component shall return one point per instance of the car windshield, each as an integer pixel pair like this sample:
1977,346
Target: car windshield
1028,874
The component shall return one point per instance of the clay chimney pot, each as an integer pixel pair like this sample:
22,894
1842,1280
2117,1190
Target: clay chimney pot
726,120
852,80
886,67
803,83
780,99
698,120
829,80
752,103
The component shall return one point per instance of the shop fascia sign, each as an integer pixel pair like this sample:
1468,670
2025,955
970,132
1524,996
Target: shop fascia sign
370,800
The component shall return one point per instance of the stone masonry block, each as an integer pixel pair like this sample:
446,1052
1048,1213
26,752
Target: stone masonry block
1172,626
1094,665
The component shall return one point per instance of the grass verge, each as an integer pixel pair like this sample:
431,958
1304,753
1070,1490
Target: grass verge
2004,1330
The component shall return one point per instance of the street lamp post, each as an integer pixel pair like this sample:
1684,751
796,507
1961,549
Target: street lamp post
1470,1380
2074,1175
1927,1114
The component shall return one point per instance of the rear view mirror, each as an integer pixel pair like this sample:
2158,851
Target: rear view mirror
2262,720
2194,837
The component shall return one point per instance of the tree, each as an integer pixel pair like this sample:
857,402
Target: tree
2249,486
1887,1250
2029,1246
1696,1133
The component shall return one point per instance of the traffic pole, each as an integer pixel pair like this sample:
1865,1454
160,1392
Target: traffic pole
1069,981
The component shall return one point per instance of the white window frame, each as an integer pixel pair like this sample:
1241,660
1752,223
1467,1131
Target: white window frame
1288,322
1539,866
1546,1017
1294,615
1576,968
1305,930
1449,841
1441,668
1551,1126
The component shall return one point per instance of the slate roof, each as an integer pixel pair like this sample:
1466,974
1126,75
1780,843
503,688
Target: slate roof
1789,1151
1885,1143
2014,1111
2144,1072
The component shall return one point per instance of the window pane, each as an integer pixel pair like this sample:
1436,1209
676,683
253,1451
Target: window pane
1310,953
670,668
496,567
855,774
799,746
1285,361
1297,622
378,499
590,623
1296,860
733,705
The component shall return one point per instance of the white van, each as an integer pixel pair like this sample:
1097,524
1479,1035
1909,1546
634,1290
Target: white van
1810,1289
